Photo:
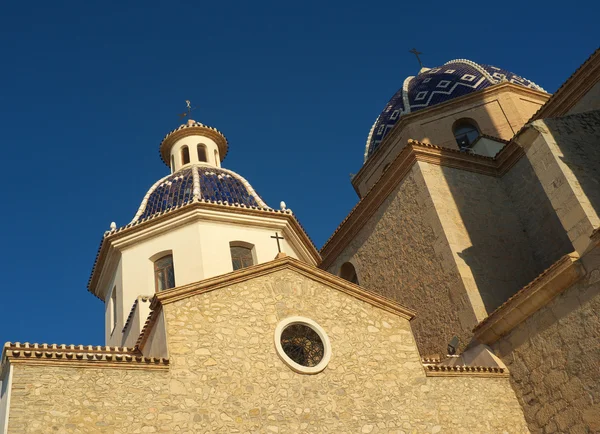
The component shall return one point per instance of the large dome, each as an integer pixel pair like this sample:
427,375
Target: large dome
197,182
435,86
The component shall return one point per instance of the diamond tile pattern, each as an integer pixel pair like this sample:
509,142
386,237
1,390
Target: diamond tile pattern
178,189
438,85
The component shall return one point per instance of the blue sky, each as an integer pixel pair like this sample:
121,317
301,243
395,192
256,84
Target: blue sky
88,91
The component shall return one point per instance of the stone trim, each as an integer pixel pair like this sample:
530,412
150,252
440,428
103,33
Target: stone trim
560,276
408,118
79,356
281,263
311,370
141,298
285,263
464,371
132,228
414,151
572,90
192,128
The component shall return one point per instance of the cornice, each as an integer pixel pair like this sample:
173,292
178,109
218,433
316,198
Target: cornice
464,371
282,263
79,356
193,130
414,151
407,119
189,212
560,276
572,90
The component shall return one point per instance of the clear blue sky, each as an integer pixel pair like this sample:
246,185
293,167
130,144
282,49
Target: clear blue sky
89,89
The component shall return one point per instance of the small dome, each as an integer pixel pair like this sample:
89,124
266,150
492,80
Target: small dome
196,183
435,86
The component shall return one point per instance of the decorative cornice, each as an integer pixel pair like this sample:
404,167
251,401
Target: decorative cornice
143,224
192,129
560,276
283,263
462,371
414,151
79,356
572,90
406,119
141,298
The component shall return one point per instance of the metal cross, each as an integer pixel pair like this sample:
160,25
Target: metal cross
416,53
189,109
277,237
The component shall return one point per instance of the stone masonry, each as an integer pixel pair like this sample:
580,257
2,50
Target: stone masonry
225,375
554,358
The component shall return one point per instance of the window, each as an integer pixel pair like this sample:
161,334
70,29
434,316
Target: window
185,155
113,308
348,272
202,153
465,132
164,275
241,255
303,345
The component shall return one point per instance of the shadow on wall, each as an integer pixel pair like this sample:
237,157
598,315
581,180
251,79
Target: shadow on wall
578,138
506,231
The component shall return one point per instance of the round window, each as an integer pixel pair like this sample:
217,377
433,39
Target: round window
303,345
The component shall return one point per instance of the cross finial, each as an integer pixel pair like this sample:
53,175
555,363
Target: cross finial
189,109
416,53
277,237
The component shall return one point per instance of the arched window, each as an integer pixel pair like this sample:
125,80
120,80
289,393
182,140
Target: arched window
185,155
202,153
241,254
217,159
164,274
465,132
172,163
348,272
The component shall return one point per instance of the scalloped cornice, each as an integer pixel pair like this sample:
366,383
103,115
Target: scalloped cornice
192,129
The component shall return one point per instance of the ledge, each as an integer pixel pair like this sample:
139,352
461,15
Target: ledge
464,371
560,276
79,356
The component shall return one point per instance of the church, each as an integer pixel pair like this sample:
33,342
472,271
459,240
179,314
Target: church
460,295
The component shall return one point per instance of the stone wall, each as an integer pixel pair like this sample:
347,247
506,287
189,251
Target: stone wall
554,358
403,253
485,236
225,375
548,239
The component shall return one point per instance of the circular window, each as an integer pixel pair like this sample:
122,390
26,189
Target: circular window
303,345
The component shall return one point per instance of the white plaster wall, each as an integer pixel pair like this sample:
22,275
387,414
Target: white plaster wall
5,383
117,282
200,250
192,143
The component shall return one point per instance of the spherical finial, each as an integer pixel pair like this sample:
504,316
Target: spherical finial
113,226
282,206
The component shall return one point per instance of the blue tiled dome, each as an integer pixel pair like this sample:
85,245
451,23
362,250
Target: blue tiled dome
197,182
435,86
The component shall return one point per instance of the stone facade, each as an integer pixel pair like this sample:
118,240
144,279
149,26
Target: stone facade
225,375
553,358
484,233
499,111
546,236
402,253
